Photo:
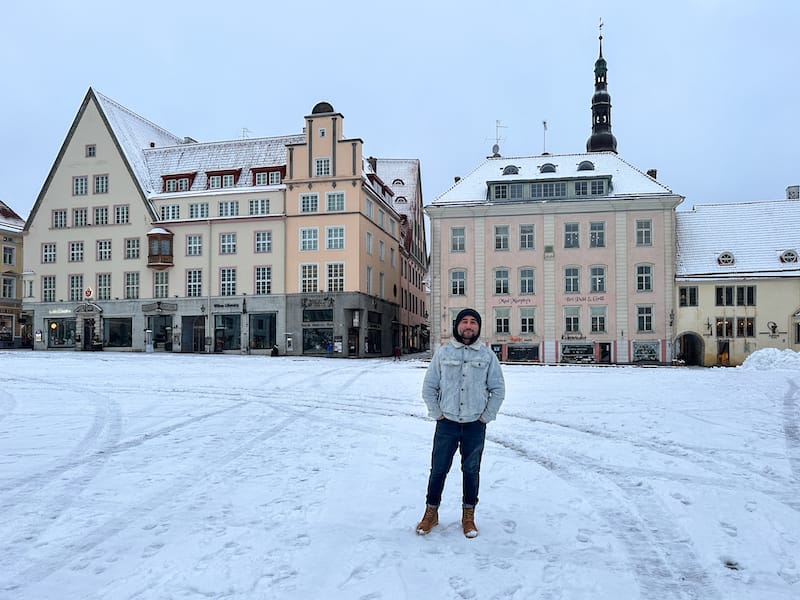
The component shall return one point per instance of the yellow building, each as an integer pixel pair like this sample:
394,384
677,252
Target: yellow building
737,280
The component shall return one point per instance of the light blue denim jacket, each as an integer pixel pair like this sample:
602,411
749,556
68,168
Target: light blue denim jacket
464,383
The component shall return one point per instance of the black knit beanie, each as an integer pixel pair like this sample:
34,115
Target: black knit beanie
467,312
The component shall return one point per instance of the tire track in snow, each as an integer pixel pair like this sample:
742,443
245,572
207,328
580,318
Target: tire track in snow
660,554
791,429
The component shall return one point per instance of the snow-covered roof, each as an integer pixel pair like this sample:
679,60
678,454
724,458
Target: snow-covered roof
393,171
9,220
245,154
755,235
134,134
626,180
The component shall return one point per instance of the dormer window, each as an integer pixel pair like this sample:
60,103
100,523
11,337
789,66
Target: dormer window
511,170
223,179
178,182
268,175
401,199
398,182
586,165
789,256
547,168
725,259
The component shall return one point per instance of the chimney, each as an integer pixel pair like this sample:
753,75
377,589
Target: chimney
373,162
793,192
152,144
652,173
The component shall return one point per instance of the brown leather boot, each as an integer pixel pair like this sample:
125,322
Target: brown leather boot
429,520
468,522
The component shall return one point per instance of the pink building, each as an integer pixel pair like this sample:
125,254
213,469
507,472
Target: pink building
569,258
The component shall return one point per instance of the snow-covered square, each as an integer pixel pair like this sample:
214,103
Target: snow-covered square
169,476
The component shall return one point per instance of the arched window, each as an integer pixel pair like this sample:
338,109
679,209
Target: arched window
547,168
511,170
725,259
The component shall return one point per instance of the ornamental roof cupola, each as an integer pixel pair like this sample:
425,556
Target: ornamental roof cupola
601,140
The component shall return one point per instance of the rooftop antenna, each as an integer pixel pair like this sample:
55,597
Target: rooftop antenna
544,137
497,138
245,133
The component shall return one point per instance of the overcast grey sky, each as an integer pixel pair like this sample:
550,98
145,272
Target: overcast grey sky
705,91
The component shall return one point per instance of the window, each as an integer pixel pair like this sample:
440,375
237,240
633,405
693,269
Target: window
334,201
121,214
745,327
644,232
101,184
572,319
572,277
59,219
458,283
194,283
391,256
80,185
49,288
76,252
381,250
501,237
369,243
725,295
227,281
644,319
161,284
274,177
586,165
263,281
501,281
308,279
581,188
382,219
687,296
227,243
131,285
547,168
309,238
502,320
75,288
176,184
598,280
598,316
500,191
526,281
552,189
724,327
101,215
745,295
598,187
259,206
334,238
170,212
9,256
322,167
526,237
515,191
79,217
198,210
8,289
91,151
458,239
789,256
527,320
571,235
369,208
309,203
228,208
103,249
49,252
194,245
597,235
369,280
132,248
104,286
335,279
644,278
263,241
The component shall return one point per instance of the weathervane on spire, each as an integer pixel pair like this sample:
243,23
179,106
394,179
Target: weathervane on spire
600,29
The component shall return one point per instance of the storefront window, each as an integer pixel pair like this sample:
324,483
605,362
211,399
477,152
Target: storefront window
117,333
262,330
227,332
317,339
61,333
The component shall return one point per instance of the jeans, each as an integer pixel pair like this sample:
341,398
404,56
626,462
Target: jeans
470,437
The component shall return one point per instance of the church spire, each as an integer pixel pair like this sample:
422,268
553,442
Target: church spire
601,140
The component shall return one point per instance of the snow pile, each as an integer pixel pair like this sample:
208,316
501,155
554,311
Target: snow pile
772,358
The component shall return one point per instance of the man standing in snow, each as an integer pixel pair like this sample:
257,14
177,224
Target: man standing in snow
463,389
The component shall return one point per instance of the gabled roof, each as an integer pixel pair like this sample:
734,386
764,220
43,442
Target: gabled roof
626,180
394,170
9,220
756,234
